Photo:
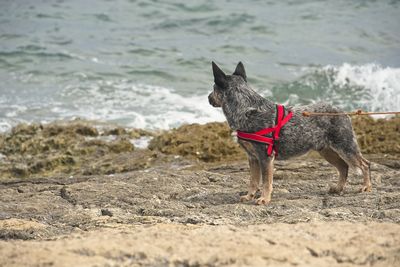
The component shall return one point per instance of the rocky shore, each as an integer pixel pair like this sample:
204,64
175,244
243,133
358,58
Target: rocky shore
82,193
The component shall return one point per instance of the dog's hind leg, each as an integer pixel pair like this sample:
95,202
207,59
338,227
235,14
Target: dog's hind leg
255,176
366,169
333,158
267,171
355,159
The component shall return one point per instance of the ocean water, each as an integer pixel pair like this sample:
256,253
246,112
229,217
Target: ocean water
147,64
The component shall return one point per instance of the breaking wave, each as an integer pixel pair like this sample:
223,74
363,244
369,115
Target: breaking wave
370,87
131,105
141,106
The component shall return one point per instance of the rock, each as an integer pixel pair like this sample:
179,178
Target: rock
106,212
210,142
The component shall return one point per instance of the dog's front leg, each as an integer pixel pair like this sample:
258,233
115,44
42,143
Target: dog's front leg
254,179
267,171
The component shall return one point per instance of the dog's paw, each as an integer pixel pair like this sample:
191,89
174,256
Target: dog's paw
246,198
334,189
262,201
366,188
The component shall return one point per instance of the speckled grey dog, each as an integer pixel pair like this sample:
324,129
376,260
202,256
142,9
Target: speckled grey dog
245,110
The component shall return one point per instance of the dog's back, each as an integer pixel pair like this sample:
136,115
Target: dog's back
302,134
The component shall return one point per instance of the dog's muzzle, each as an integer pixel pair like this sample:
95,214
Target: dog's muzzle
211,100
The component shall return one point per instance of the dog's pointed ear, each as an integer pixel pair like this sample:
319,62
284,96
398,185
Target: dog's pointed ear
240,71
219,76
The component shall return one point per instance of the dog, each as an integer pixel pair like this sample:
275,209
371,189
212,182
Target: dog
247,111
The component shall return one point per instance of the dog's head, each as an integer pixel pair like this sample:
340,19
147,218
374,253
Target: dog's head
224,83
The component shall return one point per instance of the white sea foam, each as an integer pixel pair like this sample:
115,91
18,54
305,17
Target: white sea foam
380,85
141,142
139,105
5,126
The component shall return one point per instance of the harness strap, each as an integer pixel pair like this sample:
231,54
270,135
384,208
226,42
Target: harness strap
256,137
282,122
271,142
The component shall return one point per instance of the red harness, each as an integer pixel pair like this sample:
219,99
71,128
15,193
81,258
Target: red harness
271,142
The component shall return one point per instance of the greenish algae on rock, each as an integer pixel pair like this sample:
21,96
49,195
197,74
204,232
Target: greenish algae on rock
78,147
378,136
64,147
209,142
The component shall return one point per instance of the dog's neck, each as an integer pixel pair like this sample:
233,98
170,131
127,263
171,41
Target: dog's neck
240,100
